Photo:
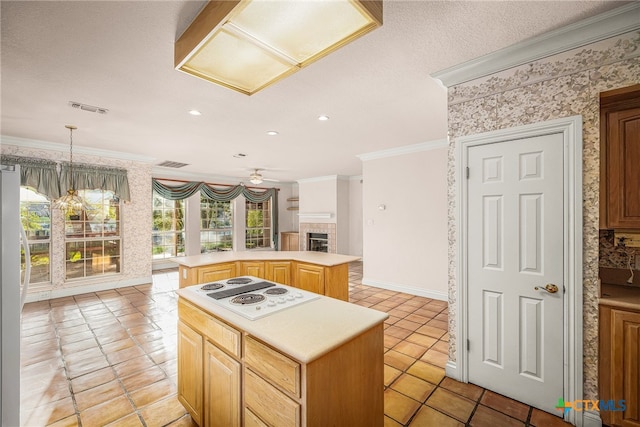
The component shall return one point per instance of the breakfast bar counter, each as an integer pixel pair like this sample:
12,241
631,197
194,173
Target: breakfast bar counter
319,272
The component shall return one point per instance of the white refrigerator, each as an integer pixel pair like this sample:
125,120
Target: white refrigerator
10,306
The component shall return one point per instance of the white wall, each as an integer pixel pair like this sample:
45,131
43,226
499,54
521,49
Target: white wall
342,215
405,245
355,215
318,195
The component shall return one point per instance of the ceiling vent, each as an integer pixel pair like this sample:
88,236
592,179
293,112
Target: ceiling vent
87,107
170,164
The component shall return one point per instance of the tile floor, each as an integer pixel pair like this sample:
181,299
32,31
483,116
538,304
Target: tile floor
109,358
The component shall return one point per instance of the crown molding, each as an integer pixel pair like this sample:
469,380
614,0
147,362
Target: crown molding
600,27
161,173
407,149
55,146
323,178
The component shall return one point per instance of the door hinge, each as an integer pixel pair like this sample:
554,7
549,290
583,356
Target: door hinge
467,172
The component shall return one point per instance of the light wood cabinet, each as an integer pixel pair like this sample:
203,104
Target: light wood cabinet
221,388
252,268
620,365
212,273
309,277
264,386
190,371
289,241
279,271
620,159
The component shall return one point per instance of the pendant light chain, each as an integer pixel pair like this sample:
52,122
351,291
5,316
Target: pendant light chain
71,129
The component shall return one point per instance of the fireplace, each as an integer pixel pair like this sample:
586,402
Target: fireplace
327,229
318,242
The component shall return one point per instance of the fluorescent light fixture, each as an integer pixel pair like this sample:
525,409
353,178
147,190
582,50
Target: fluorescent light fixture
247,45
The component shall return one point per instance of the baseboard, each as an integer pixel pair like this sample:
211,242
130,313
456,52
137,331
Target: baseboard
439,295
451,370
591,419
84,289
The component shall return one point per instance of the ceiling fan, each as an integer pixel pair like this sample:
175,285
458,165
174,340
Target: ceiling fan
256,177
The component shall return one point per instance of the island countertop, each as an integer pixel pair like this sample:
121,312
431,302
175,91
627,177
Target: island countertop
318,258
306,331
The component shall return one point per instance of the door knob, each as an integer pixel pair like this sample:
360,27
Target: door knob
549,287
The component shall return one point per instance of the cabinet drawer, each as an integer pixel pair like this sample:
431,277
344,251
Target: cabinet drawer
273,365
219,333
265,401
252,420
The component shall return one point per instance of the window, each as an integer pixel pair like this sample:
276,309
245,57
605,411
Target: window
168,227
216,226
93,245
35,213
258,231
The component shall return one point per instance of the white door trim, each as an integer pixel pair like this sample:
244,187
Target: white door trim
571,129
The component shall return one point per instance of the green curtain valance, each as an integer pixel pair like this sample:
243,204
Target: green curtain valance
40,174
92,177
188,189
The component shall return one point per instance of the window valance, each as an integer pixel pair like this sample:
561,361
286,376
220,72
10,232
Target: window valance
96,177
43,176
40,174
226,194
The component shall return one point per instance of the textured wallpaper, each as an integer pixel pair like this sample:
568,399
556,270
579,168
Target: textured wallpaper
136,223
562,85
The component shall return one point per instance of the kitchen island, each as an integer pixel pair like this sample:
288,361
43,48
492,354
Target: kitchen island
318,363
319,272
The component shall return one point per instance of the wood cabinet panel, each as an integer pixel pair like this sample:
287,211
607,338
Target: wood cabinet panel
252,268
252,420
216,272
289,241
309,277
620,365
190,372
218,332
221,388
278,271
273,365
619,159
268,403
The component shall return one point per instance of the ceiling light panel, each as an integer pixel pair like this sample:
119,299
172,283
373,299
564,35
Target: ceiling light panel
247,45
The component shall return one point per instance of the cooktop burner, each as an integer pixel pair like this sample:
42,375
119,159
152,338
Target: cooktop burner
239,281
212,286
245,299
276,291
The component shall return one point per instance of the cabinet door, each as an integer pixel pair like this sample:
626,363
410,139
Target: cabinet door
215,272
221,388
623,140
625,381
279,271
190,376
310,278
252,268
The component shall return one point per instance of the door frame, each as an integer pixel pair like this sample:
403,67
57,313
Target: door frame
571,130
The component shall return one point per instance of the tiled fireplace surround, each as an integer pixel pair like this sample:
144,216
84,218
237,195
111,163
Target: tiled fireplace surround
313,227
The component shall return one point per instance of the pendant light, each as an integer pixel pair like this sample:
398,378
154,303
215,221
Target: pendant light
70,203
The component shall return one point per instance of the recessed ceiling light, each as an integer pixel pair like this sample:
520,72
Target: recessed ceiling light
272,133
195,113
323,118
239,155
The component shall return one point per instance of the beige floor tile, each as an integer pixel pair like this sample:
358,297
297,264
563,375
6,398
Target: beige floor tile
106,412
486,417
92,379
47,414
133,365
470,391
423,340
97,395
390,422
505,405
544,419
390,374
431,331
131,420
152,393
414,387
429,417
398,406
435,358
427,372
71,421
410,349
143,378
451,404
398,360
163,412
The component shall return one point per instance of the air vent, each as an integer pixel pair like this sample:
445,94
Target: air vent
170,164
86,107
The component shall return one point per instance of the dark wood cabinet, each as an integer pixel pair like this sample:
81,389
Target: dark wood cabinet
620,159
290,241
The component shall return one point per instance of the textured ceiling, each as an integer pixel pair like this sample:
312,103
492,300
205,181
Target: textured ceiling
119,56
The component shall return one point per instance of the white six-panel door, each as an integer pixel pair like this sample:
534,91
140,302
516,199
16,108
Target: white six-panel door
515,245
